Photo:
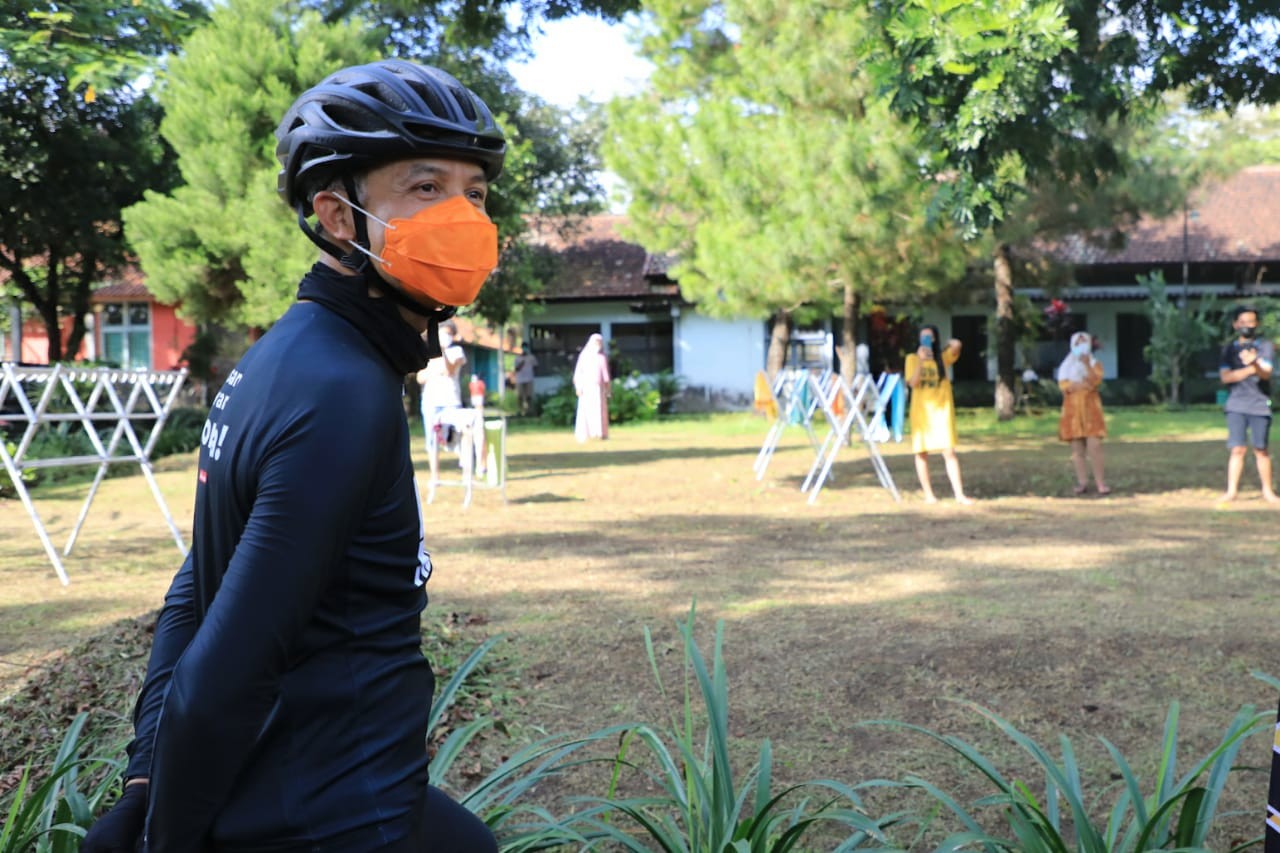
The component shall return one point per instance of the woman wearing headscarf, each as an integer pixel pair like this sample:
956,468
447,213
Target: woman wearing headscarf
591,381
933,411
1082,423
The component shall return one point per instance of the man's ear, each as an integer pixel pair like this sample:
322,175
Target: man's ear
335,216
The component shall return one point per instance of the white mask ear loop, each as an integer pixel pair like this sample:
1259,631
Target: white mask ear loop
361,249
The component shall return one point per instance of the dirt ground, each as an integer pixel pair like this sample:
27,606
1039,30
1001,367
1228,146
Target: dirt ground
1085,616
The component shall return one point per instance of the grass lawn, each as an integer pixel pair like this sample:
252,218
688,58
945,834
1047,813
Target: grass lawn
1086,616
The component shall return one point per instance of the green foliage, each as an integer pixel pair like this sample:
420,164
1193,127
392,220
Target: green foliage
222,243
1008,93
56,147
636,397
699,803
1179,333
181,432
1177,813
54,815
95,44
774,182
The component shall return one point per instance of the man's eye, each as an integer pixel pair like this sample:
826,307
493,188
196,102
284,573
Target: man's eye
427,188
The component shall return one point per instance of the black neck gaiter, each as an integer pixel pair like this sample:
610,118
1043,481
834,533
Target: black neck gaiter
377,319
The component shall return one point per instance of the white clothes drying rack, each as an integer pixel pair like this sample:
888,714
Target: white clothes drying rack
795,406
124,401
862,409
802,395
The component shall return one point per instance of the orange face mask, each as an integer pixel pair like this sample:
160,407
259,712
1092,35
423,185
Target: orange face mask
443,252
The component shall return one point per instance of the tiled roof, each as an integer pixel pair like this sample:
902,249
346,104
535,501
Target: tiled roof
129,285
596,261
1236,220
472,333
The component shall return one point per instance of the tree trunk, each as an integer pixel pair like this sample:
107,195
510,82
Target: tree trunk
778,340
849,339
49,316
80,307
1005,334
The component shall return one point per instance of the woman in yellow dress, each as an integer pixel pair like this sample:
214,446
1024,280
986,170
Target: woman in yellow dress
1082,423
933,411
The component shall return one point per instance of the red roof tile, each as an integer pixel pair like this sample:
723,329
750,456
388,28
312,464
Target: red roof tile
473,333
597,263
1236,220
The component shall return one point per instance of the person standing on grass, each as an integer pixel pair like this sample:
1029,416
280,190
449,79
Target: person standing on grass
286,701
932,410
591,382
526,364
1082,423
1245,368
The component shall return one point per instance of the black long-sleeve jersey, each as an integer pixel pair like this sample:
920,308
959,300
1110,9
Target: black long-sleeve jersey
286,701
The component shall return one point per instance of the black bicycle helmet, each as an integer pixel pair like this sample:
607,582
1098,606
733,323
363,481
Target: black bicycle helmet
367,115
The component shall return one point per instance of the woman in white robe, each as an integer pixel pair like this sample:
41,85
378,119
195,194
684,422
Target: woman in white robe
591,381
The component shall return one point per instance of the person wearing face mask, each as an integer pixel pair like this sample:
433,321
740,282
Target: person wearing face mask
1245,368
1082,423
442,410
932,410
286,701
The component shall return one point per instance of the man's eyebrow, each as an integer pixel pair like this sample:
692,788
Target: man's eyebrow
418,170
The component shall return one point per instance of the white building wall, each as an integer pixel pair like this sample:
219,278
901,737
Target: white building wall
718,357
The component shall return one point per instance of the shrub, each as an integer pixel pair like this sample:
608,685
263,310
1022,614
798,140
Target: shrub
181,433
636,397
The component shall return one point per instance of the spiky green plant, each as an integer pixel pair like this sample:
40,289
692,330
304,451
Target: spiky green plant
498,797
1177,813
53,816
702,804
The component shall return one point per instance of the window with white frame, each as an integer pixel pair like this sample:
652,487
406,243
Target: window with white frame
126,334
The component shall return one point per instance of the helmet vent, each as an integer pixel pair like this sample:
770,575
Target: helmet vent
464,100
351,119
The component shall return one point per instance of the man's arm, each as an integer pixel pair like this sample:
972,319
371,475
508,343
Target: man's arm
175,627
1252,367
225,687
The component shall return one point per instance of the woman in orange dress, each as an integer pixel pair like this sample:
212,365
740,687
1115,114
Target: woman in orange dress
1082,423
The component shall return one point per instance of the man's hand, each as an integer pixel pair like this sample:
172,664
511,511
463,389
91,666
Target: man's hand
119,830
1248,356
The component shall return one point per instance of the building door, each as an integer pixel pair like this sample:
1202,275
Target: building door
1133,333
972,333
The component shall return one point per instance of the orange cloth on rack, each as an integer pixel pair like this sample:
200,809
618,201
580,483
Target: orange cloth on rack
764,402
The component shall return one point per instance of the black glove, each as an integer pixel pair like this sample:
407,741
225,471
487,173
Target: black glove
120,829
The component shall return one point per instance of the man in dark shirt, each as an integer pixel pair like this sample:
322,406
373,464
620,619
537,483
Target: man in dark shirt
1245,368
286,699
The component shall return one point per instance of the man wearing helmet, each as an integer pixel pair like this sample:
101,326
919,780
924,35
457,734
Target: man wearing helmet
286,699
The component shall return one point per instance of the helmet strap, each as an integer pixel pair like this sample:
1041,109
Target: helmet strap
314,237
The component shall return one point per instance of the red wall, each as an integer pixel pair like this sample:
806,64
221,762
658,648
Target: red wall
170,335
35,343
